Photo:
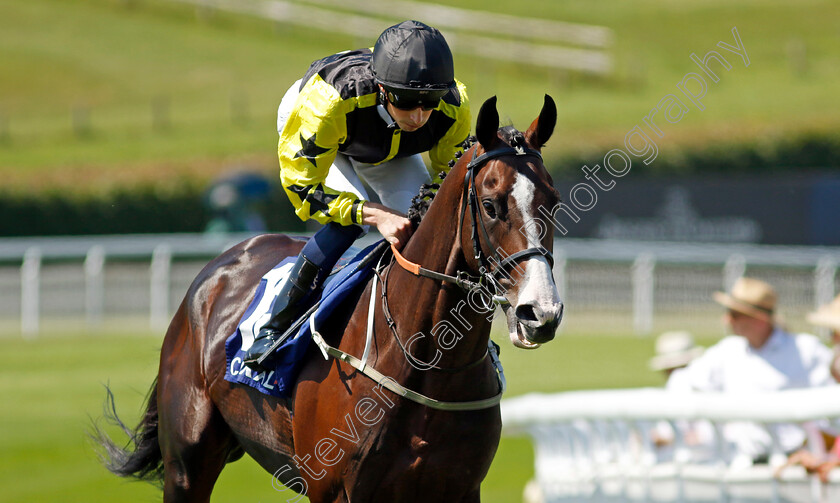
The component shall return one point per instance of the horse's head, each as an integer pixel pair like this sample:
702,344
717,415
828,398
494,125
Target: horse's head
514,243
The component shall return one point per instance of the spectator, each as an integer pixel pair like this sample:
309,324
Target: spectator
827,316
760,357
674,351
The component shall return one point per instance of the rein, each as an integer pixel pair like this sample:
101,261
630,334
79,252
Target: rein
390,384
386,311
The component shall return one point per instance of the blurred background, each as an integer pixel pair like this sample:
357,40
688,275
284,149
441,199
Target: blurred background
137,141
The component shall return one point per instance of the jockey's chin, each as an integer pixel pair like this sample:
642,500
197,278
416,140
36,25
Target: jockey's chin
409,128
409,125
409,120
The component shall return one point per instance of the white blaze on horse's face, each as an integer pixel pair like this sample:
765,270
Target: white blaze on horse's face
536,310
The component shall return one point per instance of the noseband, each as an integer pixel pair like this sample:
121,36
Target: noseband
490,267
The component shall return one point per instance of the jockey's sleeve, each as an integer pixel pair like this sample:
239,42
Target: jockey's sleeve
452,141
307,148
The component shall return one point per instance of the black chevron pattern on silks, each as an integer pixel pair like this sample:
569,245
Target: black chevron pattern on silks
317,198
309,149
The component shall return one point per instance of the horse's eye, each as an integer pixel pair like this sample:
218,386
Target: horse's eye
489,208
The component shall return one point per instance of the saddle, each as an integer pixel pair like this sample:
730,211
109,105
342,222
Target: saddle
351,272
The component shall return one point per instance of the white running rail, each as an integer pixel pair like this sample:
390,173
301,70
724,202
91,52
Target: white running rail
596,446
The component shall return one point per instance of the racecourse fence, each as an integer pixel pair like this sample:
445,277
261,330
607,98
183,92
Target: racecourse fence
596,446
135,282
535,41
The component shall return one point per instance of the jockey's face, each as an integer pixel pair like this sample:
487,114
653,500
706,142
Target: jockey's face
409,120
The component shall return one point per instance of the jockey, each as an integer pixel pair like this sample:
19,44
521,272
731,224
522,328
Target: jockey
363,115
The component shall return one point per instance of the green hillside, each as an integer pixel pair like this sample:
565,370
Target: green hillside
96,93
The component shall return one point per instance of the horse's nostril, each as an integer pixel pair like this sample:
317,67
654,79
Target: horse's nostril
526,313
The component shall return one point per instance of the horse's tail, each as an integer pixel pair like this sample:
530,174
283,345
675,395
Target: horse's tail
141,457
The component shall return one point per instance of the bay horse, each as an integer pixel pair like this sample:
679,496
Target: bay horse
343,436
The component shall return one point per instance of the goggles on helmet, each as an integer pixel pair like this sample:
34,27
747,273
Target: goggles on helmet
410,99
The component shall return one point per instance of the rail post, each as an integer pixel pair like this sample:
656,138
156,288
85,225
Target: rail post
734,267
824,275
643,289
94,285
30,295
159,293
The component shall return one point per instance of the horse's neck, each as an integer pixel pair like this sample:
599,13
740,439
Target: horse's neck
452,328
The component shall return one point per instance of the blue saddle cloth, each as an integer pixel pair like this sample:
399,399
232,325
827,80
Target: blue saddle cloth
286,362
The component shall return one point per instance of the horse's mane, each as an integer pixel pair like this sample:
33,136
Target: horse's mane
423,200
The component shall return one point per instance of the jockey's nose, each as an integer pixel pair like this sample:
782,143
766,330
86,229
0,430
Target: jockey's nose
417,115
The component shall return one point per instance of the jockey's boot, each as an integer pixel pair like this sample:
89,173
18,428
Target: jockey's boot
301,281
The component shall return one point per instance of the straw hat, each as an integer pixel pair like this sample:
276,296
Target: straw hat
827,315
674,350
751,297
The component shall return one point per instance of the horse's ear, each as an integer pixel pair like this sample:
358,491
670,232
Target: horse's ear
543,126
487,124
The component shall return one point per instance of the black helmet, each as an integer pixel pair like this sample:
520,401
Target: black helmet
412,58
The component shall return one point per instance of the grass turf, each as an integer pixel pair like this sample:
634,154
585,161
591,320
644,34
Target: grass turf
52,387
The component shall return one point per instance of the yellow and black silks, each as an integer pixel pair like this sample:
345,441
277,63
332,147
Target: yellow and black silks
338,111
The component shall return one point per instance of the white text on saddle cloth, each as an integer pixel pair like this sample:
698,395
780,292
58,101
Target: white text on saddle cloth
274,280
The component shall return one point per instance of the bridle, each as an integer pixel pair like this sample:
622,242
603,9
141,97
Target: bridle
488,277
490,265
470,198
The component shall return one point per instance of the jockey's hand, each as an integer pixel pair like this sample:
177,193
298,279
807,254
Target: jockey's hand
393,225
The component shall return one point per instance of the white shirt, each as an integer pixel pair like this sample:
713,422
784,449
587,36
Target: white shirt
697,437
678,381
785,361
